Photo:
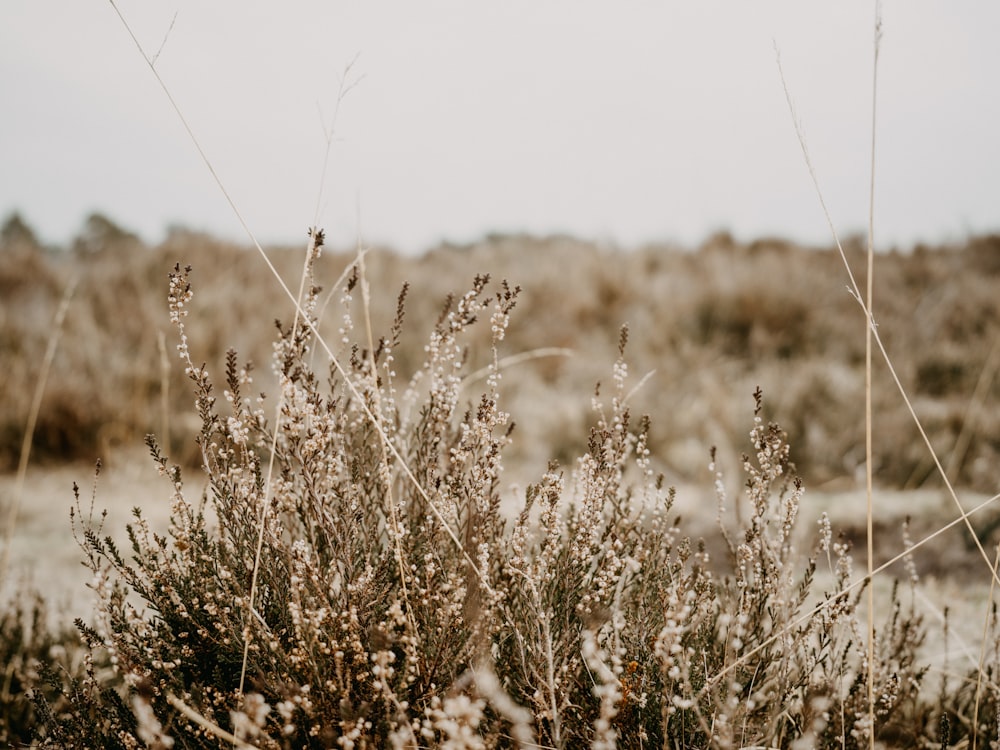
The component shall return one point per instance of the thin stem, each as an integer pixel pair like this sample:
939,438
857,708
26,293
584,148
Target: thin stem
963,518
29,429
869,468
161,343
390,499
314,236
208,726
341,371
982,655
856,293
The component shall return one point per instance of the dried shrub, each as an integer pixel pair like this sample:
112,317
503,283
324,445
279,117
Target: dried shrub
367,591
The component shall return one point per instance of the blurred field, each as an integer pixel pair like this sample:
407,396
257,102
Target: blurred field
708,325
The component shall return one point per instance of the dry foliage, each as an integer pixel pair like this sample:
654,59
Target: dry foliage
710,326
365,590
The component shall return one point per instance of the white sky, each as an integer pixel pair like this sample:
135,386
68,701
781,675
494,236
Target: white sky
626,121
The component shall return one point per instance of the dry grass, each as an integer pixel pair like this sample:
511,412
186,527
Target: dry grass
405,609
391,605
351,576
710,324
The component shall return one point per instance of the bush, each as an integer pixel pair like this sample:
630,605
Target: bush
351,581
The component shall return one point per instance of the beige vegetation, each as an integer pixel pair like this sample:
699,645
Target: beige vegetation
454,619
708,325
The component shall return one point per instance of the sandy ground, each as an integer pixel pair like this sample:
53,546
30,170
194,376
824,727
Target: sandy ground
44,555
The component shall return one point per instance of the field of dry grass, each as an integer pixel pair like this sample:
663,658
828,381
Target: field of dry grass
706,327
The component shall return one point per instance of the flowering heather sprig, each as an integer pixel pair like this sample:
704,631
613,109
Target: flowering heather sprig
180,293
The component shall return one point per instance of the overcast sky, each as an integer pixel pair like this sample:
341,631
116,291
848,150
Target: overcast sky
627,121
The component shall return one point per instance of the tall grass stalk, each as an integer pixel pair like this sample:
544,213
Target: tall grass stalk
962,518
55,333
161,345
312,251
872,334
517,359
274,271
869,325
384,467
982,653
151,63
855,291
300,315
214,729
